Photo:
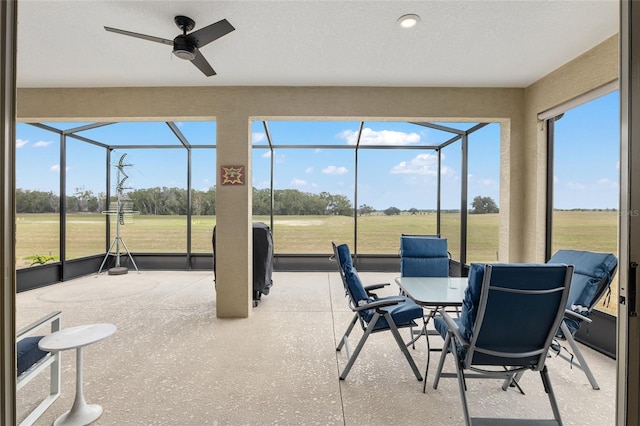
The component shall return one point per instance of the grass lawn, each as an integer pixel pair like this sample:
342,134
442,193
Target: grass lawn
38,234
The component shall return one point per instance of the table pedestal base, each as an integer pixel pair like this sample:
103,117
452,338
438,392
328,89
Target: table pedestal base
81,413
80,416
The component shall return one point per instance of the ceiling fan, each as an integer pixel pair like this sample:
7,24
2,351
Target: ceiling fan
187,46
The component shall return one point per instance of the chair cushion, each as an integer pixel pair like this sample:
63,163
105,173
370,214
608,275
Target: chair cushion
519,326
423,246
590,269
356,288
471,299
29,353
423,256
344,255
353,281
403,314
441,326
469,308
442,329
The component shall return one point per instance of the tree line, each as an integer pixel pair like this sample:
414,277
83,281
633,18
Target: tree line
173,201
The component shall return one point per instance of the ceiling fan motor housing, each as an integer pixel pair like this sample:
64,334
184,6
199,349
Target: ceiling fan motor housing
184,48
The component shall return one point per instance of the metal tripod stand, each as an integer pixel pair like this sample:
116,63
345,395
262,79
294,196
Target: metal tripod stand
120,212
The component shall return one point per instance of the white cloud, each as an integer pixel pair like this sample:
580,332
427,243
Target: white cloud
317,151
56,168
423,164
607,182
334,170
576,186
42,144
309,170
258,137
380,137
264,184
599,185
279,158
298,182
20,143
483,181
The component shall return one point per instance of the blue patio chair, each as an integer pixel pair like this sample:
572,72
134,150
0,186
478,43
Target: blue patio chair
510,314
423,256
375,314
32,361
591,281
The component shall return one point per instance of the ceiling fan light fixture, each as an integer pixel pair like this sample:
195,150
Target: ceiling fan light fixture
408,21
183,49
185,54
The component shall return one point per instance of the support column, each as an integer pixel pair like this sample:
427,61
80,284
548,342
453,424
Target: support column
628,341
234,238
8,32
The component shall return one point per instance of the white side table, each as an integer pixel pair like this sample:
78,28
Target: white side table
76,338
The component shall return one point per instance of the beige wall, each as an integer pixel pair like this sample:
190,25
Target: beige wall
521,199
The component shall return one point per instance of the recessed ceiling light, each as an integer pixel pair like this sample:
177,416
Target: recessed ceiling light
408,21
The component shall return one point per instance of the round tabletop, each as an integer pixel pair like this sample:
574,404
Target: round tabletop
76,337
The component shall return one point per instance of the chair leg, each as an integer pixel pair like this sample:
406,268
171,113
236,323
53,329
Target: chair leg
346,333
363,339
462,386
426,368
432,315
445,351
546,382
401,344
511,380
581,361
423,331
358,348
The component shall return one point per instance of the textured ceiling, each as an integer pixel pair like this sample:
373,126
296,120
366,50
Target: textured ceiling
309,43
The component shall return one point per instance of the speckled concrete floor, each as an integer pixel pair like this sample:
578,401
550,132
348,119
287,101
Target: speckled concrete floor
172,362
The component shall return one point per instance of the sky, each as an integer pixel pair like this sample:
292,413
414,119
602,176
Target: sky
587,155
319,156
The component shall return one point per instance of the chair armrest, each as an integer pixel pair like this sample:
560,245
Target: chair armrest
375,286
369,288
53,318
381,303
454,328
576,315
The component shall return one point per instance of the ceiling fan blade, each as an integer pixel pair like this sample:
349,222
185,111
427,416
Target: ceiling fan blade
206,35
142,36
202,64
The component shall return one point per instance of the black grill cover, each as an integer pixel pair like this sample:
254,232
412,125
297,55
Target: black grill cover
262,259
